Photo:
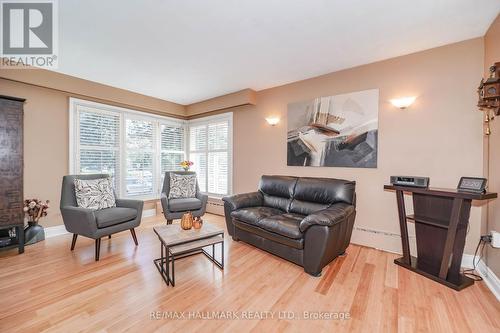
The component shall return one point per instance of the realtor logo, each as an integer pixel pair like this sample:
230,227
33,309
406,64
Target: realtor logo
29,34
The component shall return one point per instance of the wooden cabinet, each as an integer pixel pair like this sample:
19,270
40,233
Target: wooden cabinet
11,167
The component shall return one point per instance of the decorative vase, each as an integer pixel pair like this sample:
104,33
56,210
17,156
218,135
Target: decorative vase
34,233
197,223
187,221
186,169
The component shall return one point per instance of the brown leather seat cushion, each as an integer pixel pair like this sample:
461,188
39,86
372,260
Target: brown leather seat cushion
245,227
252,215
285,224
272,220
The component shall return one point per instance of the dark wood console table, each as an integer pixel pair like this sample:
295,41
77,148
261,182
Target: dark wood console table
441,217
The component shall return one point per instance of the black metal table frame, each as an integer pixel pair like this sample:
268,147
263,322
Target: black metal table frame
163,263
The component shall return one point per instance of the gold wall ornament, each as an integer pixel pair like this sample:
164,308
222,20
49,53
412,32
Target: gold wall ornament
487,119
486,116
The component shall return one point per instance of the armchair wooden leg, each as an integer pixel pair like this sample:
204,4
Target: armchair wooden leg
169,221
97,248
73,242
132,231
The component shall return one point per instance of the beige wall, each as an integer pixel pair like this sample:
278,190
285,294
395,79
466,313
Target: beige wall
73,86
46,138
492,55
440,136
46,133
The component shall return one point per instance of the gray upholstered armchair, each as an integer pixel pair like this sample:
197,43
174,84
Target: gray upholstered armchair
97,223
175,208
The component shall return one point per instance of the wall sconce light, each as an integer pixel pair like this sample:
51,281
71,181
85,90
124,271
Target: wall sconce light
403,102
273,121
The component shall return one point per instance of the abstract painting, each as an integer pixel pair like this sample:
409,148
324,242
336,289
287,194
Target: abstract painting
334,131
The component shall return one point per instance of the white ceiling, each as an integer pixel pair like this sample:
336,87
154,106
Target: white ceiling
186,51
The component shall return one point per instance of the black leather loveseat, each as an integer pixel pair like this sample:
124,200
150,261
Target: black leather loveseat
307,221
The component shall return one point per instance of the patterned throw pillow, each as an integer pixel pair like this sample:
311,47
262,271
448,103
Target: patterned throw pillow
94,193
182,186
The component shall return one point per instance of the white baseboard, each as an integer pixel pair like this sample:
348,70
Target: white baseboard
61,230
55,231
491,280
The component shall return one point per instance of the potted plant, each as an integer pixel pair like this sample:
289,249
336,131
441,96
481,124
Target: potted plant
186,165
34,210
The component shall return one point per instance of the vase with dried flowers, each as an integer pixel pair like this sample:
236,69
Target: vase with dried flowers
186,165
34,210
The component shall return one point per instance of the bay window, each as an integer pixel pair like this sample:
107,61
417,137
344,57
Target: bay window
210,150
136,149
99,143
139,151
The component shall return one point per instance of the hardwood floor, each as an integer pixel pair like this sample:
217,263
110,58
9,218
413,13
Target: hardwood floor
50,288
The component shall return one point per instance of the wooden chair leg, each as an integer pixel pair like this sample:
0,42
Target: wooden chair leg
169,221
109,236
97,248
73,242
132,231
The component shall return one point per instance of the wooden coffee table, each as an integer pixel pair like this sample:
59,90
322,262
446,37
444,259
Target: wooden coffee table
177,243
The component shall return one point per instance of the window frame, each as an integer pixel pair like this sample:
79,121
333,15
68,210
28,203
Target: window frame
228,116
75,105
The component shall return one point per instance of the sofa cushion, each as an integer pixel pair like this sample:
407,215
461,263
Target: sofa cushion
306,207
249,228
111,216
277,191
285,224
324,190
253,215
181,205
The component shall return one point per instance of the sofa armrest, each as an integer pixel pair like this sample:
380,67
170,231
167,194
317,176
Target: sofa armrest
328,217
238,201
128,203
164,202
204,199
134,204
78,220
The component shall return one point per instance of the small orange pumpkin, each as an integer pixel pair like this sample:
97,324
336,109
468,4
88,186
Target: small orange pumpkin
187,221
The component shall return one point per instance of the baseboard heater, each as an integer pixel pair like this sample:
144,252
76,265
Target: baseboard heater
380,232
215,206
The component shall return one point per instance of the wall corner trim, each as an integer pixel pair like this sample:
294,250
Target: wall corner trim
238,98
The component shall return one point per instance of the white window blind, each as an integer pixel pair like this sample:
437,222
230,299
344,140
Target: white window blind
140,150
133,147
172,147
99,143
210,150
136,149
